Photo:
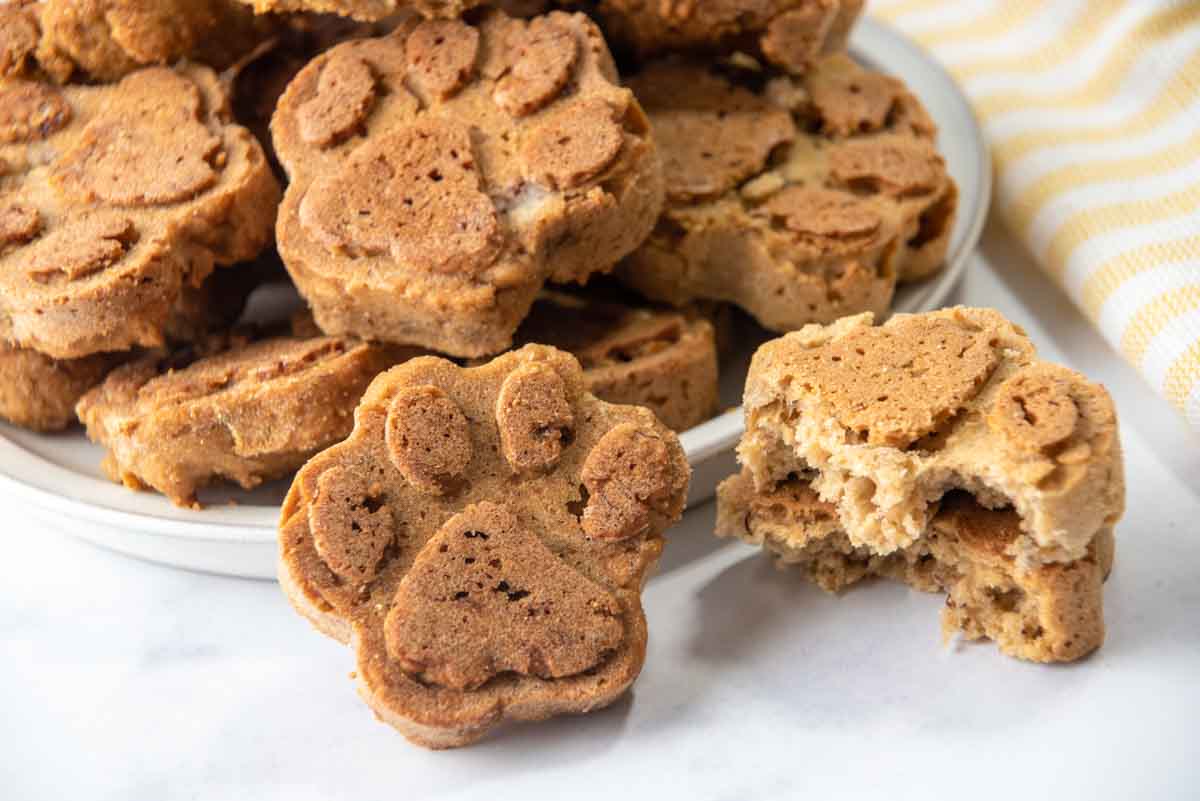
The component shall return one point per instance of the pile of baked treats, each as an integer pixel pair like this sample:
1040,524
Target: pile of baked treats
519,229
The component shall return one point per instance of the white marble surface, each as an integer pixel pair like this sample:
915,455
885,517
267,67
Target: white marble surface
126,680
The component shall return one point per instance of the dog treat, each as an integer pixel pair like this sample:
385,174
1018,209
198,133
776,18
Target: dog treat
663,360
116,199
482,538
39,393
228,409
104,40
1044,613
798,199
440,175
888,419
790,34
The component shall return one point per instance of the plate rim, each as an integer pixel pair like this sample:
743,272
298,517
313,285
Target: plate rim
710,439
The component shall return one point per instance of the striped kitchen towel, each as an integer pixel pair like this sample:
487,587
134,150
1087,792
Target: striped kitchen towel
1092,111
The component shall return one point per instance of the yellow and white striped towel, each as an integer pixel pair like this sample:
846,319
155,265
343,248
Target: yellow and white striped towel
1092,111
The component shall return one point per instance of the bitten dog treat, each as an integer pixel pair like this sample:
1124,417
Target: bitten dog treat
237,410
115,200
482,538
791,34
105,40
1047,613
659,359
798,199
440,175
886,420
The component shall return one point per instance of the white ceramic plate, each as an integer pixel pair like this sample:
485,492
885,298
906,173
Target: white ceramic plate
59,475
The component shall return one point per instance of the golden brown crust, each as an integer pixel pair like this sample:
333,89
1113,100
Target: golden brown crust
234,410
663,360
368,10
799,199
891,418
790,34
115,201
433,580
440,175
1047,613
40,393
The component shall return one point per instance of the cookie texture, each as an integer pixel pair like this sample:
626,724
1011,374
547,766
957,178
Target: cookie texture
799,199
368,10
789,34
663,360
39,393
114,200
105,40
440,175
228,408
1044,613
481,539
889,419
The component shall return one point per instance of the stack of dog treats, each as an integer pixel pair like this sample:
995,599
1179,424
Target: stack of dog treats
447,177
514,225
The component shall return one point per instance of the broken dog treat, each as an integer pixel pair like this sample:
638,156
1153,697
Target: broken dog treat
442,174
1044,613
482,538
229,409
114,200
790,34
800,200
105,40
662,360
886,420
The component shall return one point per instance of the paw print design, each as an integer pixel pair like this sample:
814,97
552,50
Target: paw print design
482,539
117,201
442,174
799,199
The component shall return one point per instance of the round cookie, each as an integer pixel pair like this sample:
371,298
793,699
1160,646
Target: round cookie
228,409
481,539
798,199
104,40
114,199
441,175
790,34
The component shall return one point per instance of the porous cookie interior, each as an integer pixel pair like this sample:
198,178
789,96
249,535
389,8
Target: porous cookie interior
116,200
485,532
889,419
448,170
799,199
1049,613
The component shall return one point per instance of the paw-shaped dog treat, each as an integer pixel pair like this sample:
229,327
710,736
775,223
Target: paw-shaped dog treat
230,409
116,200
482,538
800,199
790,34
663,360
1044,613
105,40
442,174
886,420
